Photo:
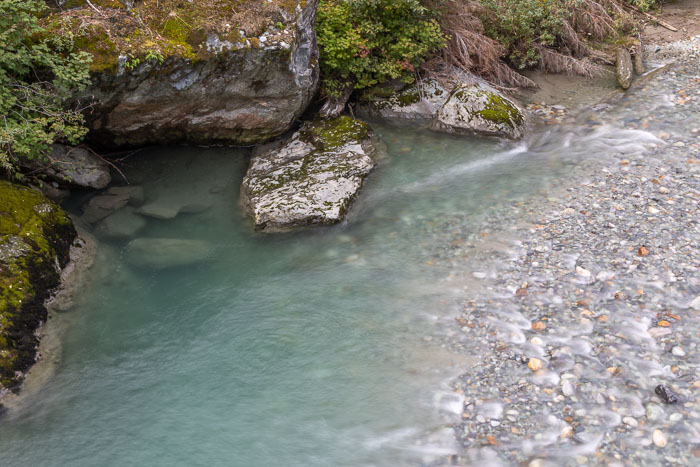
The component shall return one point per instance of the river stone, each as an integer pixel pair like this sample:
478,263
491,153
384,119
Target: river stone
237,91
122,224
158,210
162,253
133,193
71,166
480,109
101,206
311,178
419,101
624,67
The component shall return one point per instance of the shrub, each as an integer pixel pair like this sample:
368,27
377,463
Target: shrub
521,24
366,42
38,74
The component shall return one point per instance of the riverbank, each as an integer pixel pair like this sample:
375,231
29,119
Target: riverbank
588,303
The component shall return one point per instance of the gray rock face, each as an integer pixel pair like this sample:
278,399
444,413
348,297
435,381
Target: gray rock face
161,253
480,109
623,63
416,102
311,178
240,95
76,167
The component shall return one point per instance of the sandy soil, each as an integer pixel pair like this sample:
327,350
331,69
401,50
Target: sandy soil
682,14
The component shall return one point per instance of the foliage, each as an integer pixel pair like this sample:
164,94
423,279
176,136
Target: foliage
645,5
366,42
38,74
521,24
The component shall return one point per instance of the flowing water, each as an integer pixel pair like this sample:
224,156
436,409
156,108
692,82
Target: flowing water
330,346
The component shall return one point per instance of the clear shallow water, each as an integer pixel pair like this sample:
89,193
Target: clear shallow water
322,347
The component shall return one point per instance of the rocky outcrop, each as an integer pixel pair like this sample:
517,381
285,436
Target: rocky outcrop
471,107
623,63
217,82
311,178
72,167
35,240
481,110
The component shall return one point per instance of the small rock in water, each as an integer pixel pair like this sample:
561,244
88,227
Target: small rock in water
659,438
666,394
583,272
629,421
567,388
535,364
678,351
695,303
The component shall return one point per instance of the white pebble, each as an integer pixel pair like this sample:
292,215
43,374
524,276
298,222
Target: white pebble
678,351
630,422
659,438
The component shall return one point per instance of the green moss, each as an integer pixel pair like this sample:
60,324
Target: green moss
176,30
335,132
502,111
407,98
34,235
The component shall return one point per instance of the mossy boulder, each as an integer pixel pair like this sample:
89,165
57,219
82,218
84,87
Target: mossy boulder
230,71
480,109
417,102
311,178
35,240
623,67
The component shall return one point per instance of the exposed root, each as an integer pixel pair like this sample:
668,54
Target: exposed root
555,62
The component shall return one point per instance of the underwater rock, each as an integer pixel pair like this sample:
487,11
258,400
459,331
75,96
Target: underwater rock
133,193
623,63
479,109
161,253
35,240
311,178
73,167
101,206
122,224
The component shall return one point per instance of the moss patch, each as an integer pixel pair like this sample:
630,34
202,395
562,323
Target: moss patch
35,234
335,132
170,28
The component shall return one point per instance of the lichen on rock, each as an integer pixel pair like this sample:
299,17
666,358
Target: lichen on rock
418,102
311,178
479,109
35,240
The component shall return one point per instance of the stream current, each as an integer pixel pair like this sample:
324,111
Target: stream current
329,346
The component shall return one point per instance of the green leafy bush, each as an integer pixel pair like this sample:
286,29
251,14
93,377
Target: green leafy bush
645,5
38,74
520,24
366,42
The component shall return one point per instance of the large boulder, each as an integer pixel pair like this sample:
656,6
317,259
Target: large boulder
35,240
311,178
180,73
481,110
417,102
72,166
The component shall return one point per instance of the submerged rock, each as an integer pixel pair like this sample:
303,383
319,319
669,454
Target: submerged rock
101,206
161,253
311,178
480,109
623,63
71,166
419,101
35,240
122,224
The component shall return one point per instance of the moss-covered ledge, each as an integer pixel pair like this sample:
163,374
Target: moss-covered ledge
35,240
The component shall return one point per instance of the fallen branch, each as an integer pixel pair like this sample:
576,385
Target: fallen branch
89,149
653,18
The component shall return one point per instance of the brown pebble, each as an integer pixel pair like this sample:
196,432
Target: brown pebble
535,364
643,251
539,326
663,323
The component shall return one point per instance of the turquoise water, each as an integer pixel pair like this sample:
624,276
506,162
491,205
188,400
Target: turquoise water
322,347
